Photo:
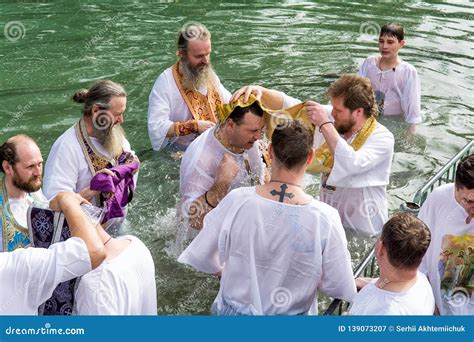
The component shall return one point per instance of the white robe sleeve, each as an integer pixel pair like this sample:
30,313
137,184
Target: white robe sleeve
363,71
349,163
424,216
43,269
225,94
411,97
203,252
159,110
61,172
337,278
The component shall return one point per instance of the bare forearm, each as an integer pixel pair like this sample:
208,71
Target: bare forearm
272,99
81,227
205,203
331,136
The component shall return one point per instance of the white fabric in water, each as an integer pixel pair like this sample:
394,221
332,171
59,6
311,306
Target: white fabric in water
451,276
199,167
166,105
360,178
418,300
124,285
274,256
400,85
29,276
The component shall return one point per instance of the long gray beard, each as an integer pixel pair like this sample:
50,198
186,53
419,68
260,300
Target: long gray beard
195,79
112,139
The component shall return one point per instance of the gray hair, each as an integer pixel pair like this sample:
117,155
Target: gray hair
100,94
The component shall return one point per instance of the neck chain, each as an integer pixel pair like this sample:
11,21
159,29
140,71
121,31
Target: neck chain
220,137
279,181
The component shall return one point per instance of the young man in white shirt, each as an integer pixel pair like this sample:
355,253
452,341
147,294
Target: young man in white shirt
22,164
395,82
449,264
275,245
401,289
29,276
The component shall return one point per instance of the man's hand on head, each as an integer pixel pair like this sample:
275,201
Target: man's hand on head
246,91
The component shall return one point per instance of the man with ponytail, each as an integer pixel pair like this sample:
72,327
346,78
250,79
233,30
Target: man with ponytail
22,166
95,144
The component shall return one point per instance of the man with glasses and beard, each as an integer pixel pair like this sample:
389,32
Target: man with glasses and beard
22,164
94,145
184,98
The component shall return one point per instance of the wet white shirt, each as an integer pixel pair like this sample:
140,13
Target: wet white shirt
360,178
372,300
273,256
29,276
400,87
124,285
448,262
166,106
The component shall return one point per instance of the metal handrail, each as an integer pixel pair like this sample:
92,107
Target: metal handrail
448,171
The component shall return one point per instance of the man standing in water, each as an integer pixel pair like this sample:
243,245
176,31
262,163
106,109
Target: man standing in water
275,245
96,143
356,151
22,164
184,98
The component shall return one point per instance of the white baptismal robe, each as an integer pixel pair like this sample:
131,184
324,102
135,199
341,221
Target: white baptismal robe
29,276
124,285
273,256
166,106
201,161
360,178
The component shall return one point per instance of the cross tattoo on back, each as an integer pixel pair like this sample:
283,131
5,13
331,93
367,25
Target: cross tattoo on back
282,193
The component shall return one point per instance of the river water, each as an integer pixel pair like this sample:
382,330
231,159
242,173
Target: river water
48,50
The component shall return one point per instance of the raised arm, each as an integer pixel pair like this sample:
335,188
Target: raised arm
80,225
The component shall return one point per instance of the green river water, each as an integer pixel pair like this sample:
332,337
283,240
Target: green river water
50,49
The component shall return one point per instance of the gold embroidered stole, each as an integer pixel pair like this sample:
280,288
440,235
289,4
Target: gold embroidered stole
12,234
323,158
202,107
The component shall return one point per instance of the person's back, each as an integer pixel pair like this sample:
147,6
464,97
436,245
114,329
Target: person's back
372,300
401,289
122,285
274,244
277,257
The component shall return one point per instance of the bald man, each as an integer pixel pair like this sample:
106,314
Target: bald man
22,165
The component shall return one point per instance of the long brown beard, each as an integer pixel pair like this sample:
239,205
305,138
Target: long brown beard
196,78
112,139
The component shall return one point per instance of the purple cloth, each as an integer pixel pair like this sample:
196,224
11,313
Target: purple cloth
121,186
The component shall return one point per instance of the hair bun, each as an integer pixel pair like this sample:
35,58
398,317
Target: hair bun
80,96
